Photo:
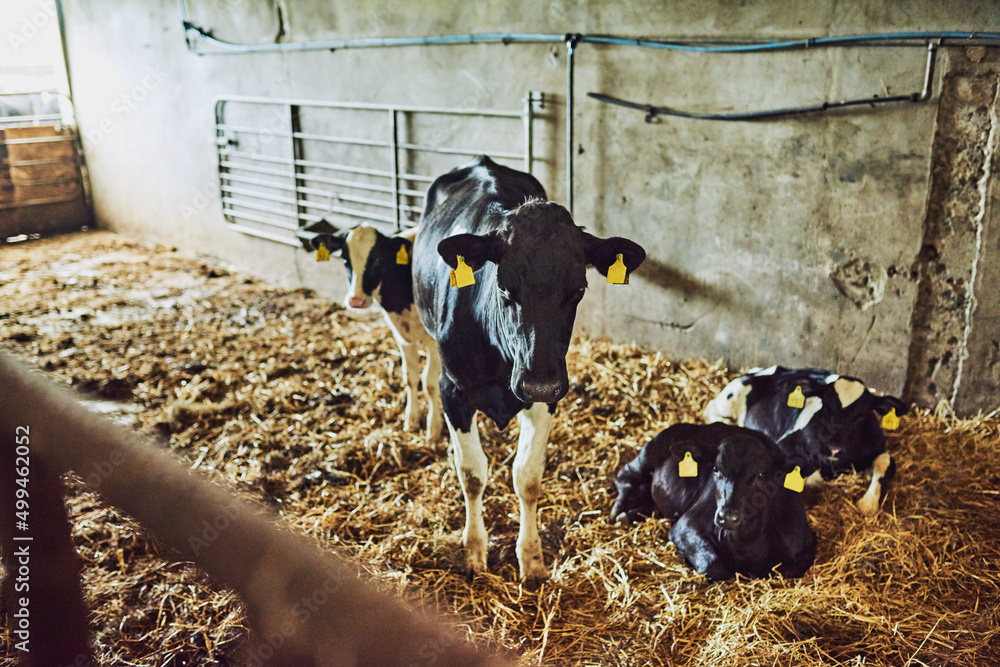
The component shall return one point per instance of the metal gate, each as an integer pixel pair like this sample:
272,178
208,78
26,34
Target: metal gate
286,163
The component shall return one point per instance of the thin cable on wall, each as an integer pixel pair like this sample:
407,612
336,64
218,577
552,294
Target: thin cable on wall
652,112
916,39
884,39
788,112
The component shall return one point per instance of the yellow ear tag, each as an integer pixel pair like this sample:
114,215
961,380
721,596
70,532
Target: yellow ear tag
461,275
322,253
688,467
402,257
890,422
796,399
794,481
617,273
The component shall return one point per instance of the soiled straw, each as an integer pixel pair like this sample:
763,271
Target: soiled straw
293,402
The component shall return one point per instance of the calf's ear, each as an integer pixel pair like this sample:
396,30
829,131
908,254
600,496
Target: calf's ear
602,253
885,403
334,242
789,458
475,250
701,452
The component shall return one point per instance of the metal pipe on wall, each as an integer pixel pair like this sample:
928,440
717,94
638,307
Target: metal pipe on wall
925,93
930,39
571,41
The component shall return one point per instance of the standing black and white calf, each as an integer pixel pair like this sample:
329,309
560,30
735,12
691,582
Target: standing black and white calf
379,270
503,340
838,428
734,515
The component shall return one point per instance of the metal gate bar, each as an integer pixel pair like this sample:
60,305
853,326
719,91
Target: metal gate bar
273,195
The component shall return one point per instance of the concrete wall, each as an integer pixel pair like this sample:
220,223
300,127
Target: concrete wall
849,240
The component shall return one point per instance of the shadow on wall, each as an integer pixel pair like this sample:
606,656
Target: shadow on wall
670,278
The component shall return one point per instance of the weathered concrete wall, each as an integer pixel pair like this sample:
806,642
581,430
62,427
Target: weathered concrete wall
975,369
800,242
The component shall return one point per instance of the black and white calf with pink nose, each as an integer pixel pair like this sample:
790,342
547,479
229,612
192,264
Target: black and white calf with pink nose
379,270
503,339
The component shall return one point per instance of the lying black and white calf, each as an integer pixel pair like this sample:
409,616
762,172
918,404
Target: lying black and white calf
735,515
379,270
837,429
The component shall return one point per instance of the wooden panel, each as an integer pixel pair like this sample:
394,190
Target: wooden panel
45,219
24,187
61,147
55,190
49,171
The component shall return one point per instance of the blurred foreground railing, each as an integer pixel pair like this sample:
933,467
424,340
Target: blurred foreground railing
44,432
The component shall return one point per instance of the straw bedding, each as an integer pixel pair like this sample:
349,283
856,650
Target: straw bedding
290,400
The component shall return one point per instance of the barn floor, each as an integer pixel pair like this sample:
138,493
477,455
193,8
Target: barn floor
289,399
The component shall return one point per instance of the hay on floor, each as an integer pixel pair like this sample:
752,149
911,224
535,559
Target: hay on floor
288,399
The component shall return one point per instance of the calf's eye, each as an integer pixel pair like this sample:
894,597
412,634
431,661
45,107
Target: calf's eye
574,296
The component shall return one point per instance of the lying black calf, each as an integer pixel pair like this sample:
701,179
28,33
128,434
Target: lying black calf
735,515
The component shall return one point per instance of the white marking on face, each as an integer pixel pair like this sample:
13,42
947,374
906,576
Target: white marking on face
360,242
848,390
767,371
730,406
830,379
813,405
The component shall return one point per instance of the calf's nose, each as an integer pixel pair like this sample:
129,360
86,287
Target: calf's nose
358,302
531,391
727,519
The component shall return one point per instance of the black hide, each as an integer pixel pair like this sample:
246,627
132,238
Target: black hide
837,439
503,340
735,516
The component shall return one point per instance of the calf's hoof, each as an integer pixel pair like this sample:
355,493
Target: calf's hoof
532,568
868,504
475,562
435,437
435,430
619,516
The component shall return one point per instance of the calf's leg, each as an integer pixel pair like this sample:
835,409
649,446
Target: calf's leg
432,375
472,469
699,550
411,375
409,357
529,464
869,503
